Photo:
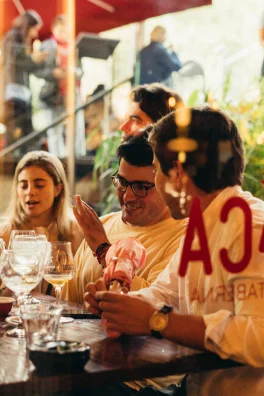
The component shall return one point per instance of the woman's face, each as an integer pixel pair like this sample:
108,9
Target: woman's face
36,192
33,32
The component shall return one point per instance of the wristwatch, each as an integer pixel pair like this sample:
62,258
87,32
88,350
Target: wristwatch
159,321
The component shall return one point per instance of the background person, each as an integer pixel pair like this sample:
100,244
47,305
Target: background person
18,60
148,104
54,91
156,62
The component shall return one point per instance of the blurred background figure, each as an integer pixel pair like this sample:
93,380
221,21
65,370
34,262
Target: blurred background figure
18,60
94,122
53,93
156,62
94,116
261,33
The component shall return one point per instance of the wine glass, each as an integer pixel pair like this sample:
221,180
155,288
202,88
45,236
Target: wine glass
2,245
26,242
60,267
41,238
37,243
15,233
20,272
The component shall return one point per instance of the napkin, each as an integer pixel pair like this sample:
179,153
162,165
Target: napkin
122,260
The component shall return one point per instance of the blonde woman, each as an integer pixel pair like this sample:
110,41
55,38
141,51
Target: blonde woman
40,200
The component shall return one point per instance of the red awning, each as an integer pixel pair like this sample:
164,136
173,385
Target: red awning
92,18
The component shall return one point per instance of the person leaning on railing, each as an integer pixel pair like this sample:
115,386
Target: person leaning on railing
17,61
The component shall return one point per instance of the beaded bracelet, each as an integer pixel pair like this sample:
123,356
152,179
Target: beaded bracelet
101,251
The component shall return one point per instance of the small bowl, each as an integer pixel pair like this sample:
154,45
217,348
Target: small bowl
5,305
57,357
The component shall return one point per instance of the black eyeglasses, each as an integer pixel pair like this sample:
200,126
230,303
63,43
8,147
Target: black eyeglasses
140,189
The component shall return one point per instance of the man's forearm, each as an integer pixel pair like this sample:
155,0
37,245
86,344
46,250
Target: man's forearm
188,330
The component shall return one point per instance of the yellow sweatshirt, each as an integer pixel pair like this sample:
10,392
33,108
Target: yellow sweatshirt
160,240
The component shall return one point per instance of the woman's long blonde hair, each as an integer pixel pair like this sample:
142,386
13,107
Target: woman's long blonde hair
62,214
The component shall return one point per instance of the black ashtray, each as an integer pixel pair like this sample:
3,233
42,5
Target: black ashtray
57,357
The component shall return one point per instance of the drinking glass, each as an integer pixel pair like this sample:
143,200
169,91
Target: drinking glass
20,272
41,238
21,243
2,245
40,322
19,233
60,267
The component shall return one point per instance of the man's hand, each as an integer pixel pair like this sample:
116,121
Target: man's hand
125,314
91,226
90,301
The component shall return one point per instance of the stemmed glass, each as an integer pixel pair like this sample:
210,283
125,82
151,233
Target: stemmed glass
60,267
2,245
21,243
16,233
20,272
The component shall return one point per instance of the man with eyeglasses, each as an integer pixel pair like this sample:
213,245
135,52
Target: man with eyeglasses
143,216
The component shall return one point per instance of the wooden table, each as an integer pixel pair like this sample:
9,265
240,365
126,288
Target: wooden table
111,361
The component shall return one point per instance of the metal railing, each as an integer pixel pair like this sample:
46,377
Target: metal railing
35,134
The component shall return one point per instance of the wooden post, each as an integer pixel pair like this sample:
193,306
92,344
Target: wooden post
2,78
69,11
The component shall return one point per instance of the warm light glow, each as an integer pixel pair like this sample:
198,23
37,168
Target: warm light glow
210,97
260,139
214,105
172,101
183,116
182,156
2,128
182,144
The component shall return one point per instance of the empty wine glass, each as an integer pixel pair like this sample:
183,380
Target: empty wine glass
21,243
2,245
15,233
41,238
60,267
20,272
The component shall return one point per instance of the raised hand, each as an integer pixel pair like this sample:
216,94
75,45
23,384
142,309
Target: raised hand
91,226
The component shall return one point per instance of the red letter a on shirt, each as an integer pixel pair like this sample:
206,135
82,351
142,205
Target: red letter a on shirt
261,244
195,224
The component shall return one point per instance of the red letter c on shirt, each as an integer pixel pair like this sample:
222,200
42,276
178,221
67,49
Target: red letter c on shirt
235,268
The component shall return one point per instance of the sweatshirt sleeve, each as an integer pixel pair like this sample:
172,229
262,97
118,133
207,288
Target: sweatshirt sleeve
165,287
239,335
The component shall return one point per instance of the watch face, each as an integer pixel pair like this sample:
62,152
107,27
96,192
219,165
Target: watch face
158,321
